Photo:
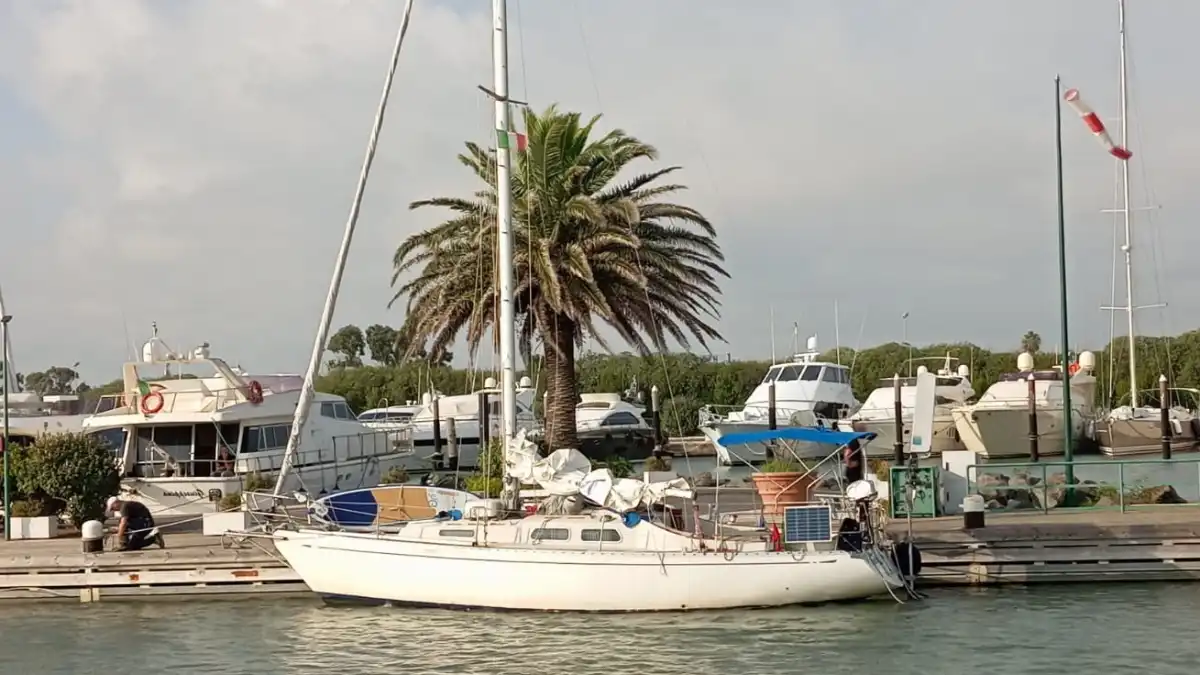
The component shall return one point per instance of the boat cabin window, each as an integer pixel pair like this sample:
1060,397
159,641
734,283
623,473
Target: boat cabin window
268,437
789,373
599,535
337,410
1039,375
620,419
456,533
811,374
113,438
835,375
550,534
771,375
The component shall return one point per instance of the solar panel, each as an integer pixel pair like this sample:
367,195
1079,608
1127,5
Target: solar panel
802,524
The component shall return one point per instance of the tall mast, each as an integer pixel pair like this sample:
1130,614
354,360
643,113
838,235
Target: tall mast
508,342
1128,247
314,362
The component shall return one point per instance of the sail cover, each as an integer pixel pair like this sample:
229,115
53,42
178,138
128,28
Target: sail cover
568,472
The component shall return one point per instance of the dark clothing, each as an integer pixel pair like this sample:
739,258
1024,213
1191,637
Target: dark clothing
137,514
136,541
138,523
854,462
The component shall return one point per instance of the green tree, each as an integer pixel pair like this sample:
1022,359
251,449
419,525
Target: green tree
74,470
349,343
588,250
381,343
54,381
1031,342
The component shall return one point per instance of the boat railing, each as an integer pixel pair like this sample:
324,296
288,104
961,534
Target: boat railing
192,401
1103,484
713,413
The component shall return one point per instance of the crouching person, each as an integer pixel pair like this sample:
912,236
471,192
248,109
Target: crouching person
136,529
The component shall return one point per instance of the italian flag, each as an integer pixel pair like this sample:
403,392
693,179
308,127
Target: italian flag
143,387
511,140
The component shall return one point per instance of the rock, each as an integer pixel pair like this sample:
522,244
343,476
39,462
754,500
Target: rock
1018,490
991,486
992,505
705,480
1048,496
1104,501
1160,494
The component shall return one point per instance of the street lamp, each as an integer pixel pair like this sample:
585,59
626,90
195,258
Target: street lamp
4,348
904,321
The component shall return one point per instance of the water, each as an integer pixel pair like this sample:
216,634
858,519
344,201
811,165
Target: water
1066,629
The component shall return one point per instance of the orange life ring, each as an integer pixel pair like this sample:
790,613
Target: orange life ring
1073,368
152,403
256,392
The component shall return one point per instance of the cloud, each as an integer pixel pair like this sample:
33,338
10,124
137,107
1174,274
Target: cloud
192,162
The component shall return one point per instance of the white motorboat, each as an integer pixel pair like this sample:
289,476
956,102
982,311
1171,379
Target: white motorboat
998,424
465,411
878,412
189,428
807,392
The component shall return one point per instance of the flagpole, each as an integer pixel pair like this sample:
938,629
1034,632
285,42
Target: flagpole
1068,441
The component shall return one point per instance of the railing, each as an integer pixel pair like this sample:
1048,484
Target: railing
348,448
784,409
1090,484
194,400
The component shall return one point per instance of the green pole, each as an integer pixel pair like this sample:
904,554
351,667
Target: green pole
4,348
1068,441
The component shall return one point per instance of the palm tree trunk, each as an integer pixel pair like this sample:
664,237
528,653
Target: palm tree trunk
558,336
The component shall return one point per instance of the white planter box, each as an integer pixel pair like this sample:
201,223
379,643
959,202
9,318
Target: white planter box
217,524
40,527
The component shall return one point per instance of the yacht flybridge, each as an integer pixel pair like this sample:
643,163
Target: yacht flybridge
188,427
808,392
878,412
998,425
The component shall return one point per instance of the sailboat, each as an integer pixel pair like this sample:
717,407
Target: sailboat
597,543
1134,429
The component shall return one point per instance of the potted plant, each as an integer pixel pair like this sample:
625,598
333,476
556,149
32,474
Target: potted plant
782,483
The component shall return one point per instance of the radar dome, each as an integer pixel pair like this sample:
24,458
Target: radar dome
812,343
1087,361
489,383
525,383
1025,362
201,352
155,350
426,398
964,371
921,370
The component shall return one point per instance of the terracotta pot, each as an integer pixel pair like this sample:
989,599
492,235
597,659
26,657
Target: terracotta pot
779,490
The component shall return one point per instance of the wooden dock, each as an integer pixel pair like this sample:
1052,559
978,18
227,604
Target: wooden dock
191,565
1155,544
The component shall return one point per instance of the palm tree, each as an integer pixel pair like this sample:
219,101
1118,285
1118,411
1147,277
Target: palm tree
1031,342
588,251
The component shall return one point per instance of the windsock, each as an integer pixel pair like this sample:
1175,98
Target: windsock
1093,122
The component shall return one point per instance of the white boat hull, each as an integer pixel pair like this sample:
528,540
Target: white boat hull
1141,436
945,435
1004,432
182,496
528,578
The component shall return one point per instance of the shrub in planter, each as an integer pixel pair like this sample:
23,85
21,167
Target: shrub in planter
256,482
657,464
618,466
488,479
74,470
31,508
231,502
396,475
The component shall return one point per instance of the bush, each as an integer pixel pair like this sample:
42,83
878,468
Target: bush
230,502
31,508
75,470
657,464
618,466
397,475
256,482
779,466
488,479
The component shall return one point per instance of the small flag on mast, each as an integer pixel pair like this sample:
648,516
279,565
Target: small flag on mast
511,140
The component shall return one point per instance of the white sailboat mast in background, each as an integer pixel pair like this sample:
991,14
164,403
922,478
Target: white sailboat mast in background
314,362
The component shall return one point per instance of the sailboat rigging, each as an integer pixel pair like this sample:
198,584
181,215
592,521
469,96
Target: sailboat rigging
597,543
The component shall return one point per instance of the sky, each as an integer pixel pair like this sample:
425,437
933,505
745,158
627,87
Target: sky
191,162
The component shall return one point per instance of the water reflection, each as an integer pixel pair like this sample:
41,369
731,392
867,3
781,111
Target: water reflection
1050,630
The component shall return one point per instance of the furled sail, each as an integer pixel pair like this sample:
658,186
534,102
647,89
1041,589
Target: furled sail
568,472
